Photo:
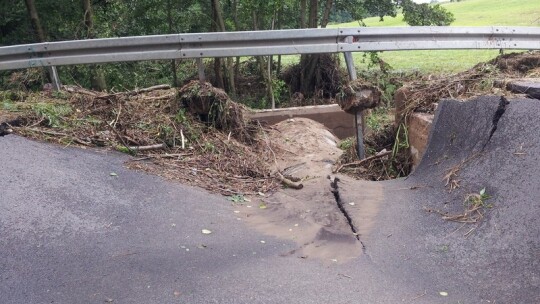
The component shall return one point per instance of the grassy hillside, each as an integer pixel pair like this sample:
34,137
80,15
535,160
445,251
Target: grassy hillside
467,13
476,13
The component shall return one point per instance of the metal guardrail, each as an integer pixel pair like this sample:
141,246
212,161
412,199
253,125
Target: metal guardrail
258,43
254,43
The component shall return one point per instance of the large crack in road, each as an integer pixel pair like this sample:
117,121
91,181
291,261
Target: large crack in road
503,103
339,202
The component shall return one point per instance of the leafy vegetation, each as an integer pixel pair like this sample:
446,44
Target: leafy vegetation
478,200
39,21
466,13
52,113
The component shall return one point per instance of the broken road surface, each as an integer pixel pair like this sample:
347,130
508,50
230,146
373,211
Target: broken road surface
74,232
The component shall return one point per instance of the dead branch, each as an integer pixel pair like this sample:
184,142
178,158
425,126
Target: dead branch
363,161
163,97
149,89
45,132
166,155
79,90
81,142
146,148
137,91
288,182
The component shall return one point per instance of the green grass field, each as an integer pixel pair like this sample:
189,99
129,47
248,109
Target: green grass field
476,13
467,13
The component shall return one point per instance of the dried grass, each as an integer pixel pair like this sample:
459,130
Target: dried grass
482,79
224,154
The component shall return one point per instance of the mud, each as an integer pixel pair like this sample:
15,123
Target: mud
361,200
359,96
310,217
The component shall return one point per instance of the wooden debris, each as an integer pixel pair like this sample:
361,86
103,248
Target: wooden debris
137,91
287,182
147,148
365,160
359,96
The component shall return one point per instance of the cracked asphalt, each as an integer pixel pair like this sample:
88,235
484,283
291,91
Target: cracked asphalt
77,227
498,259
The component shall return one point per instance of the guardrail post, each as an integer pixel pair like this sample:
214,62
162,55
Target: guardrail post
359,116
200,64
53,73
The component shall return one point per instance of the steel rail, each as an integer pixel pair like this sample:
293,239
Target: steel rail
256,43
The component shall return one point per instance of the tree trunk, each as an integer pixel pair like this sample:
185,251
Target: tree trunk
303,5
236,28
326,14
38,31
279,27
269,83
173,61
214,27
315,71
229,65
308,77
97,79
218,74
260,60
313,11
34,18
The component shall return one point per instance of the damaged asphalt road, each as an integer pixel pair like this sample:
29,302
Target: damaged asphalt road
77,227
496,145
74,233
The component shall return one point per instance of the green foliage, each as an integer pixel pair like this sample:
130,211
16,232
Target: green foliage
181,116
467,13
280,90
378,119
381,8
12,95
478,200
414,13
59,94
475,13
383,76
281,95
347,143
424,14
209,147
237,199
401,141
124,149
169,134
52,113
10,100
9,106
63,20
93,120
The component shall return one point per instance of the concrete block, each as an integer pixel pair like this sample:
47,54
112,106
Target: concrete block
529,86
331,116
419,125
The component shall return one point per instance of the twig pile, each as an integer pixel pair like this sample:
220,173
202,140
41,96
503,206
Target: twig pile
484,78
383,161
223,154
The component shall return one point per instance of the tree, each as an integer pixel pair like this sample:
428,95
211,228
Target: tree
423,14
97,79
309,80
312,78
119,18
228,67
382,8
36,22
170,22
